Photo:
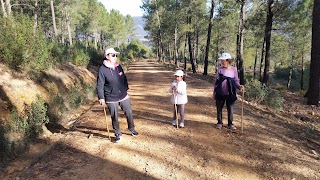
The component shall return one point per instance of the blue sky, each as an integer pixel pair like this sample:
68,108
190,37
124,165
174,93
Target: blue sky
131,7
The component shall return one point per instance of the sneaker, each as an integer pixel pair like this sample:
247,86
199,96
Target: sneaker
219,126
174,122
181,125
134,132
232,127
117,138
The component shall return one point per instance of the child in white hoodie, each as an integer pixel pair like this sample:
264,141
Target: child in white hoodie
178,90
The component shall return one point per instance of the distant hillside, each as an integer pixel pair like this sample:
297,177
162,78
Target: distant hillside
139,32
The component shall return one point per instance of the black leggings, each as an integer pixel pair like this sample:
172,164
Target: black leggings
220,103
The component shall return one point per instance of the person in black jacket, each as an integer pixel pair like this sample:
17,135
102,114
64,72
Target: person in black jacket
112,87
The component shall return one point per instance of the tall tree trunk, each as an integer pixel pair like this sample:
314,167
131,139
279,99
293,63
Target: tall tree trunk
196,49
302,71
86,40
314,79
8,6
169,52
95,40
217,47
3,9
53,19
290,73
159,36
62,33
69,28
158,48
184,54
268,40
102,40
255,63
240,42
175,49
35,16
262,59
190,45
206,61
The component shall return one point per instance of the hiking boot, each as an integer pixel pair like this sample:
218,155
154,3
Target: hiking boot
181,125
134,132
219,126
174,122
232,127
117,138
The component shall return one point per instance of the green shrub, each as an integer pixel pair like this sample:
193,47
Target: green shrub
21,47
79,56
38,117
94,55
75,97
58,101
280,87
4,146
274,100
59,52
255,91
17,123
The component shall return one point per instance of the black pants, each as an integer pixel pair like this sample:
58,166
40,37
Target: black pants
220,103
126,107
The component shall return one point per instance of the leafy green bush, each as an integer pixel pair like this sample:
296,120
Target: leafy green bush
280,87
15,132
4,145
274,100
22,47
79,56
59,52
38,117
17,123
255,91
58,102
75,97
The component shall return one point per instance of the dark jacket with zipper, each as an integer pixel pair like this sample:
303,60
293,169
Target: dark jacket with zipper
112,84
232,90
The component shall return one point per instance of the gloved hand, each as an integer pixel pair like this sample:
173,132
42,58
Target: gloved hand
102,102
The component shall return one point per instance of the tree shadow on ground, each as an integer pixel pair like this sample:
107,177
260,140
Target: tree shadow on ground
66,162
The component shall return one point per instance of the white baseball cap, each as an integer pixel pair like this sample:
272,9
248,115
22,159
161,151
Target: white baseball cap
179,73
225,56
110,51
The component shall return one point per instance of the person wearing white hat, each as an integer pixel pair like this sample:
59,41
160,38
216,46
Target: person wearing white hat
112,87
224,91
178,90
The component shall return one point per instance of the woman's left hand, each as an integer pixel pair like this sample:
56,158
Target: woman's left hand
241,88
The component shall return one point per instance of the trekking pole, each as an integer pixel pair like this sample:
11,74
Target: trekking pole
242,110
105,114
175,107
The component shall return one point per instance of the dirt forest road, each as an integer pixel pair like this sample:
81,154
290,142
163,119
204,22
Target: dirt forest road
270,147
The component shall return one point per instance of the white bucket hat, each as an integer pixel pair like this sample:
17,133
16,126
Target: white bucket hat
225,56
110,51
179,73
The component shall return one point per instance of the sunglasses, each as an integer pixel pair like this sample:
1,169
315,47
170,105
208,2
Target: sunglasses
113,55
